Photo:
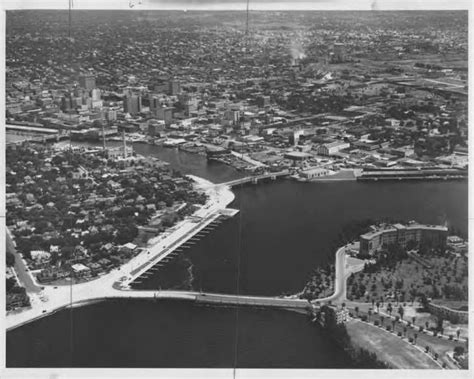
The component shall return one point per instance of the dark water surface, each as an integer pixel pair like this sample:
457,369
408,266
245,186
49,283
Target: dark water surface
284,230
171,334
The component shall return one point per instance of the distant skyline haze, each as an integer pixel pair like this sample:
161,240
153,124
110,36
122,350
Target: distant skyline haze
240,4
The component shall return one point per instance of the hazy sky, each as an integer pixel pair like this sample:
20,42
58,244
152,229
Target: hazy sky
240,4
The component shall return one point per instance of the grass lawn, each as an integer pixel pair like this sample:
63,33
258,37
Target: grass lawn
388,347
436,344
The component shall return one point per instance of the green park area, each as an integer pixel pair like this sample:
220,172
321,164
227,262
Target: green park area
384,326
399,276
395,351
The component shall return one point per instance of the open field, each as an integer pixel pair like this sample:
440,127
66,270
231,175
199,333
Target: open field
389,347
440,345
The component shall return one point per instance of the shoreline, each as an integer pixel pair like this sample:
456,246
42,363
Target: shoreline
88,295
58,297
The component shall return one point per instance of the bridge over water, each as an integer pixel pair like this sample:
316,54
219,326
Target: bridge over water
216,298
256,178
109,287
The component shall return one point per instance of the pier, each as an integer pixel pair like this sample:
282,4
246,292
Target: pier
414,174
187,240
110,287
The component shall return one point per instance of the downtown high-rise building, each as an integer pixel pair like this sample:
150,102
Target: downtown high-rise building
87,81
174,87
132,104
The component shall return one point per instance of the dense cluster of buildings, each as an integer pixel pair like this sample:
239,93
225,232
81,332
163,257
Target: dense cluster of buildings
76,212
273,99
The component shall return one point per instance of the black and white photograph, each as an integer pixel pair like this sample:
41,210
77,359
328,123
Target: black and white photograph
241,188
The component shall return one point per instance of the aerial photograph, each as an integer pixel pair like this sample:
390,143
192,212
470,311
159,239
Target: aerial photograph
235,188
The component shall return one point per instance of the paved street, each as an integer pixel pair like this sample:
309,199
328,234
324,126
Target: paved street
20,267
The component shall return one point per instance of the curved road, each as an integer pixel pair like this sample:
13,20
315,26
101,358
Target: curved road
49,298
109,287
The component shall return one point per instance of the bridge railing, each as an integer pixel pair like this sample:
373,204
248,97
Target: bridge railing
248,179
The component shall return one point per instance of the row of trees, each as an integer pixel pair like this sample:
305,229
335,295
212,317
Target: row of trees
388,258
361,358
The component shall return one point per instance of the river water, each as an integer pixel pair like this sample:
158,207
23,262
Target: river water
283,231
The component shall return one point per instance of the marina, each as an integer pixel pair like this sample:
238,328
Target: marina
191,239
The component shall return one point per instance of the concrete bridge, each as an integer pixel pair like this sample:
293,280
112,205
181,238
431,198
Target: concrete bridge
111,287
218,298
255,179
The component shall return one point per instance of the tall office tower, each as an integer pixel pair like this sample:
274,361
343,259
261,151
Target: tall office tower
96,94
124,144
338,51
111,115
154,104
294,138
87,81
189,102
132,104
174,87
263,101
232,115
66,103
165,114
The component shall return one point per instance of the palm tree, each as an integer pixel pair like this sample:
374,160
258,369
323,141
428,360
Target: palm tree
413,319
458,333
389,308
415,336
382,318
357,311
370,314
378,306
404,331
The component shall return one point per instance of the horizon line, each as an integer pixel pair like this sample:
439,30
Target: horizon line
244,10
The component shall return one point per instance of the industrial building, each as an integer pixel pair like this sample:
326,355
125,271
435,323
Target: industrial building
332,148
314,172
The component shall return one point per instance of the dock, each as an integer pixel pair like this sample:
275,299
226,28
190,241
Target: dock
188,240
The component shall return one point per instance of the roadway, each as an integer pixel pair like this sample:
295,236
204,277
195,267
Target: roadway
20,267
248,179
47,299
54,297
340,278
111,286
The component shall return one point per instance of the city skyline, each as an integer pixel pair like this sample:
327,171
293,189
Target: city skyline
202,189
